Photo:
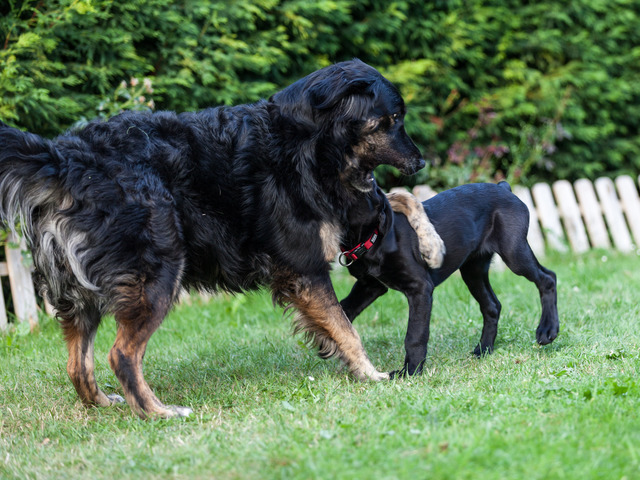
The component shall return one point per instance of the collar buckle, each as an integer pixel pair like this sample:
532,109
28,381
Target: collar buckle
347,257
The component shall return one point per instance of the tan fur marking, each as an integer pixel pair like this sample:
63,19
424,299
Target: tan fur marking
432,247
140,398
324,324
80,367
330,236
135,327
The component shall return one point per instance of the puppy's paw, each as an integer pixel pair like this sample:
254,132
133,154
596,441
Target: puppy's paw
407,371
398,374
481,351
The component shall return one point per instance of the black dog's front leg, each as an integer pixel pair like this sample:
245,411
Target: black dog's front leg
321,318
364,292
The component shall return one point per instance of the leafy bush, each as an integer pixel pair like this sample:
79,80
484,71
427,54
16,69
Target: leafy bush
560,77
505,88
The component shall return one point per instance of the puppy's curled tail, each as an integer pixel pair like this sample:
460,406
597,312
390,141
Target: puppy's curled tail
431,246
29,176
504,184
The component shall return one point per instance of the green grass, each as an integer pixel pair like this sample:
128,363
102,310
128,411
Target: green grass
267,407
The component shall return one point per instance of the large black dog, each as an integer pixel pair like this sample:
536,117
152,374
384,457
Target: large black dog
474,222
121,215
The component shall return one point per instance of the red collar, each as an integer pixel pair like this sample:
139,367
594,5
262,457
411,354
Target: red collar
347,257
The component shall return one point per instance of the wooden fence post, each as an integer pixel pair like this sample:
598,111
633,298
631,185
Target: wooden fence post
549,218
22,291
613,214
534,237
423,192
570,213
630,204
592,214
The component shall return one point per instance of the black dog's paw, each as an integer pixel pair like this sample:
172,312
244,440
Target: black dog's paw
481,351
545,334
397,374
406,372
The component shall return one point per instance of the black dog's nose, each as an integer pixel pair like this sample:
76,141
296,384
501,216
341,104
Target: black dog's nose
416,165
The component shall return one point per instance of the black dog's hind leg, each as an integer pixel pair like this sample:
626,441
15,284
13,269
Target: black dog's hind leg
364,292
420,298
475,274
522,261
79,333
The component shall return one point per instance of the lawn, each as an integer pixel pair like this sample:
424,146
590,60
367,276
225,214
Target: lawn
267,407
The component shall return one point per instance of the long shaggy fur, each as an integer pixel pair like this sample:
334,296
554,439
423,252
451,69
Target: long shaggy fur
123,214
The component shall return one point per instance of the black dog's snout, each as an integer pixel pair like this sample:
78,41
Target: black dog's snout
414,166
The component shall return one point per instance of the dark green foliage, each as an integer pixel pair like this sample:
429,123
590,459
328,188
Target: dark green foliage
561,79
525,90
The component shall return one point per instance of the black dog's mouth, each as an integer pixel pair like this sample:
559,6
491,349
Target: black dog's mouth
413,168
364,183
364,180
357,175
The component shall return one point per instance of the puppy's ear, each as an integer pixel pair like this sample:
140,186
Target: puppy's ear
326,93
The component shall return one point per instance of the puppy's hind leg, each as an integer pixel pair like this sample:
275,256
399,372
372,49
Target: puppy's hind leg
79,333
432,247
522,261
475,274
549,325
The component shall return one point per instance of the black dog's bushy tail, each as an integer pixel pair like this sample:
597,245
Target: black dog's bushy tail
29,175
505,184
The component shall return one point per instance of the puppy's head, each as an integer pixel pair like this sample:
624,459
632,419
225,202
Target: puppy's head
357,117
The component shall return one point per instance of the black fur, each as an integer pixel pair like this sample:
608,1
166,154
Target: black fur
474,221
123,214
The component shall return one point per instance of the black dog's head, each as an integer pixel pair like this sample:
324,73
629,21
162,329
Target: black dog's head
356,117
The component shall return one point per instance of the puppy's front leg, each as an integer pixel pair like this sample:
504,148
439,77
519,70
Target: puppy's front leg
364,292
415,342
321,318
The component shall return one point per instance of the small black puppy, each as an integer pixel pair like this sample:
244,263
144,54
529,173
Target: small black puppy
474,222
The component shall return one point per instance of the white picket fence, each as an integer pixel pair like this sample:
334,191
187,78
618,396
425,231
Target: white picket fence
563,217
578,216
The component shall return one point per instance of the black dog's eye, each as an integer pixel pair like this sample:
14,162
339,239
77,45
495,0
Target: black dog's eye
395,117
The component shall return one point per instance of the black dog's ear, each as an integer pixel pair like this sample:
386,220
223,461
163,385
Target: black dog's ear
328,92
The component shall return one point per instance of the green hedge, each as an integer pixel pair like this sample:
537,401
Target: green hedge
526,90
